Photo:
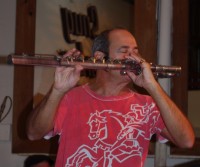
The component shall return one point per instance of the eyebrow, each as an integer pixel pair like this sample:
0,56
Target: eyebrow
124,47
127,47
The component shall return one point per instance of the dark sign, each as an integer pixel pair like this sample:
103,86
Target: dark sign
79,24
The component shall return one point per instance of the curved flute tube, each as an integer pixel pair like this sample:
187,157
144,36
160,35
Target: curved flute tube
160,71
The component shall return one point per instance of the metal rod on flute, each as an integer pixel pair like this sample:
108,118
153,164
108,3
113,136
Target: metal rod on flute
160,71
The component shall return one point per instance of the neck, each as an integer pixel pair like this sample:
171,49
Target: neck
109,86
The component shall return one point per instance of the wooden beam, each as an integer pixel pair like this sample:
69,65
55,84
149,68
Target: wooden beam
145,28
23,82
180,52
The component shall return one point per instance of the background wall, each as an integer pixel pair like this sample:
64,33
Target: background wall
49,38
7,44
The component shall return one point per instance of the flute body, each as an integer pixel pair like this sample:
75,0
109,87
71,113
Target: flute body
160,71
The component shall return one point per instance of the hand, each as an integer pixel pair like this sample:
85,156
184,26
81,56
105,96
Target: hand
67,77
146,78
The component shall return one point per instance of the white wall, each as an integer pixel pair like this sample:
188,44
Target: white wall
48,40
7,46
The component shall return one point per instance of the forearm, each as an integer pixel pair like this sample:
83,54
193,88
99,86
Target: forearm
176,123
41,119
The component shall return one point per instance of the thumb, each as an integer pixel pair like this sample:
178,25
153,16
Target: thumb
78,69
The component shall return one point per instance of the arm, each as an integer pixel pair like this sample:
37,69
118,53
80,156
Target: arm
178,128
41,119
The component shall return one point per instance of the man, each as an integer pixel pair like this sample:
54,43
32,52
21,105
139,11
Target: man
104,123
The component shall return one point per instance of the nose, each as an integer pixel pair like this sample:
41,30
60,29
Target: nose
131,52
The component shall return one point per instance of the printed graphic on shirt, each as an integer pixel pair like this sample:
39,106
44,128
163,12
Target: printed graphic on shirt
126,144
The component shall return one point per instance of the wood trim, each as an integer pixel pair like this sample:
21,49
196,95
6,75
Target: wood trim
180,57
179,91
145,28
23,82
145,31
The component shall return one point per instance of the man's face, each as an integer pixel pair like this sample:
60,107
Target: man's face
122,43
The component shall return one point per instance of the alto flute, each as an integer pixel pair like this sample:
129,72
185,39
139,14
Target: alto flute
159,71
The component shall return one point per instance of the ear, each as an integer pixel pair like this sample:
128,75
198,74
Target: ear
99,55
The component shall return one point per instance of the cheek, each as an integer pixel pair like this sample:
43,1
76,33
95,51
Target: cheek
117,56
113,54
136,51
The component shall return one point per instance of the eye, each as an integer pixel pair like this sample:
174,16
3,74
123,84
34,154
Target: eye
123,50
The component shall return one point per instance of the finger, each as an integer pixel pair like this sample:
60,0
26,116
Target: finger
131,74
72,52
136,57
78,68
142,61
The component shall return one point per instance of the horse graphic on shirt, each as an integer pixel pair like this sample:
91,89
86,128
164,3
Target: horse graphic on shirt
126,143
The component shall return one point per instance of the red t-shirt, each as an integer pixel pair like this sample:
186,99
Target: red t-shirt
104,131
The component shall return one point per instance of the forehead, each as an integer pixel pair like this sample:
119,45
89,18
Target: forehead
118,37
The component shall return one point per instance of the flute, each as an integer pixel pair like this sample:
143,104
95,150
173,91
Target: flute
159,71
